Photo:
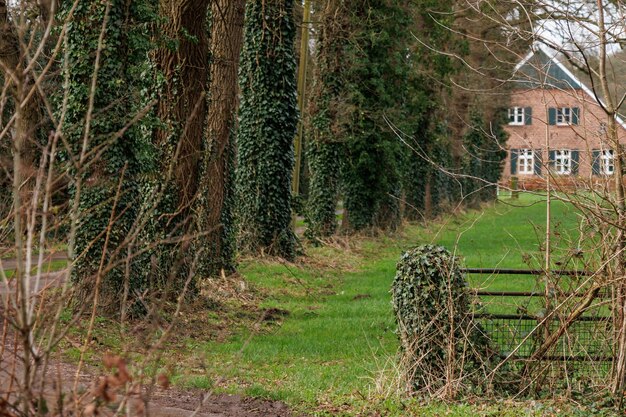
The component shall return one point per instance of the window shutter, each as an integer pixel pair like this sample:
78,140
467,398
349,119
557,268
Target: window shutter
595,162
575,115
552,116
537,161
551,158
514,153
528,115
575,161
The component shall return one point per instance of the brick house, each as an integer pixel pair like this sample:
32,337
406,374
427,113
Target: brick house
556,127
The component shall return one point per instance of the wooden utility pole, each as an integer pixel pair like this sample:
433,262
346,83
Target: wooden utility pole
302,71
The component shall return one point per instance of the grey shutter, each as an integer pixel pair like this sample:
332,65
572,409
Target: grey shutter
595,162
552,116
575,161
575,115
551,158
528,115
514,153
537,161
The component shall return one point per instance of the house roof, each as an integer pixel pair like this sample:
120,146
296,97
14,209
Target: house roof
541,69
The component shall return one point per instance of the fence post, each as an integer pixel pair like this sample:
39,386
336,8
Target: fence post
514,189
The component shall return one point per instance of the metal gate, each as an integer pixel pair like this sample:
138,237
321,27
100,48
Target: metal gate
581,355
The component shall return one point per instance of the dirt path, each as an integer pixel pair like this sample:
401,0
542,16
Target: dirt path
182,404
172,402
11,263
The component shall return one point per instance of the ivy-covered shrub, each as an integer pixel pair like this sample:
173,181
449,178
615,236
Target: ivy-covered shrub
268,117
443,346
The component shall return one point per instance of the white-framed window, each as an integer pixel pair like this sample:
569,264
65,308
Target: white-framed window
563,162
607,162
526,161
564,116
516,116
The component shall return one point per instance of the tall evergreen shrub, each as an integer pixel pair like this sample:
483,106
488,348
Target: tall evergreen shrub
376,77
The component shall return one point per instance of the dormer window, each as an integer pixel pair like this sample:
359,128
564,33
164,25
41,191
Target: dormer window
519,116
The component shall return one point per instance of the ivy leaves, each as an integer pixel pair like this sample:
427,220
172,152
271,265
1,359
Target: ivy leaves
268,117
432,304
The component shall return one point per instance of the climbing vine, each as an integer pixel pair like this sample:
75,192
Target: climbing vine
268,118
110,184
329,113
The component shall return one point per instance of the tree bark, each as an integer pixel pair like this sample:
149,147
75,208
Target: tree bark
20,84
27,119
183,61
226,41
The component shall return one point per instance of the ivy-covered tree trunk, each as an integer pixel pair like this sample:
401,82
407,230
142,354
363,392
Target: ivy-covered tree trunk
267,125
376,72
416,170
214,201
444,188
493,155
107,187
324,150
473,142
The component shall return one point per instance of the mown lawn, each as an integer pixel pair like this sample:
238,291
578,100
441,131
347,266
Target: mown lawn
334,351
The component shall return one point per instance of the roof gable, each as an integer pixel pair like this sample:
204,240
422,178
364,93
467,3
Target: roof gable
538,69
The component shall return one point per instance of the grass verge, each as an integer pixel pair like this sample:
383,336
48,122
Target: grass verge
332,347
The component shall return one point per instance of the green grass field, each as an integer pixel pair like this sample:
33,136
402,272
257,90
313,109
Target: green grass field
334,351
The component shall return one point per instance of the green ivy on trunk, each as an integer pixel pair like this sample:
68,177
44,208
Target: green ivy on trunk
107,218
268,118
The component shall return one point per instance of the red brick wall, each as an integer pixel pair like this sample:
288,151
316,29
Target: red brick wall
584,137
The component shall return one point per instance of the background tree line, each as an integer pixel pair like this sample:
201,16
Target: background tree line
175,122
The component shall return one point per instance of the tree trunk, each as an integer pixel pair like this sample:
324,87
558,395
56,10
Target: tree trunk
20,84
324,148
182,106
268,118
226,41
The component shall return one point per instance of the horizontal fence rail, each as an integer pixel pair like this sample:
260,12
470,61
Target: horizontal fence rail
531,317
530,294
535,272
584,351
